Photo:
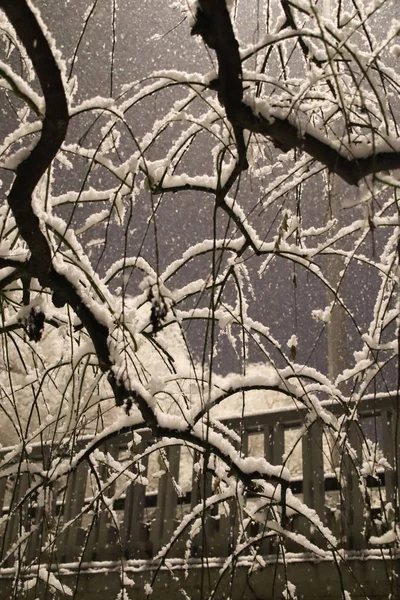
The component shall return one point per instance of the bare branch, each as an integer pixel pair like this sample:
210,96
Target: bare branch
30,171
214,25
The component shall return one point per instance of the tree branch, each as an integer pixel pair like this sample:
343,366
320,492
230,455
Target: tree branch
308,55
28,175
30,171
214,25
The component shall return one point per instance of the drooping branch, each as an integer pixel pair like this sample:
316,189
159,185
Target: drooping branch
28,175
308,55
55,123
213,23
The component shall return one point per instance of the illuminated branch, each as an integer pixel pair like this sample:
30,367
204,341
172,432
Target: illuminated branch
214,25
55,123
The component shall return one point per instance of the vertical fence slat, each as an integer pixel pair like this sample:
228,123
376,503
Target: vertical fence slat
274,443
99,542
163,524
274,448
39,522
74,500
171,497
313,469
3,486
135,533
227,530
353,514
391,451
313,479
204,542
17,519
201,484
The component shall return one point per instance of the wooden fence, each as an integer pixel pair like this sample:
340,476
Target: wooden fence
72,521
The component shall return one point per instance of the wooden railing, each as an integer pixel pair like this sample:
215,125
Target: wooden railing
71,520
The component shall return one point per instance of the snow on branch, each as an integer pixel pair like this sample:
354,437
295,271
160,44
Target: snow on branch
198,291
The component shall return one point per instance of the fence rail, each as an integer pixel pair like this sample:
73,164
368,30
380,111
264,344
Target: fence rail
101,510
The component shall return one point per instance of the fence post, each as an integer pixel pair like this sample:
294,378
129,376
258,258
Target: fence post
313,474
163,524
353,513
135,534
74,500
204,543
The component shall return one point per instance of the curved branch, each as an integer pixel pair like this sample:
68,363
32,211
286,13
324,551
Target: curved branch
250,474
28,175
213,23
30,171
237,390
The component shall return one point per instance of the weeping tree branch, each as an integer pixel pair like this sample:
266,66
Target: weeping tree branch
55,123
28,175
213,23
308,55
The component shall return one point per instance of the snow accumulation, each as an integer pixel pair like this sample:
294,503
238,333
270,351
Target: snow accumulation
69,398
50,579
387,538
55,382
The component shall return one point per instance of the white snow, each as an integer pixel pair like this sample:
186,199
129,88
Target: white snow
386,538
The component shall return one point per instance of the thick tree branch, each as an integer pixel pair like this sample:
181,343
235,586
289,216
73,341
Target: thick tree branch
30,171
214,25
28,175
63,289
286,136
